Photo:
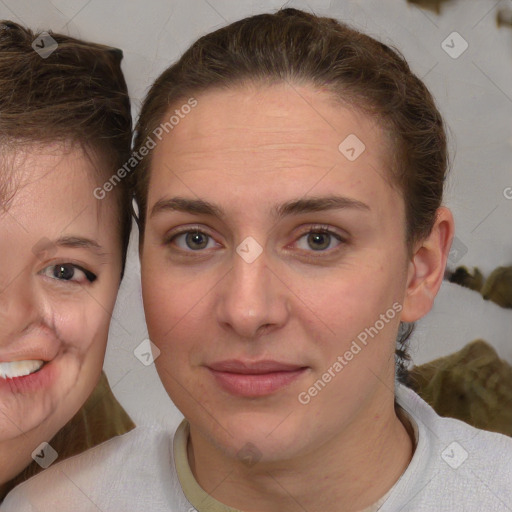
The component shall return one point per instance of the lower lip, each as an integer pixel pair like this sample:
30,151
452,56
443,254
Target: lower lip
41,379
247,385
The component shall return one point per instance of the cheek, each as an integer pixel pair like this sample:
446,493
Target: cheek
82,326
174,316
346,307
181,323
170,297
159,303
346,296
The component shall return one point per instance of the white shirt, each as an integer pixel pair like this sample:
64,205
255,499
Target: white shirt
455,467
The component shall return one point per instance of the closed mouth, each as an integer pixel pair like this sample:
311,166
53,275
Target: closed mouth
253,368
252,379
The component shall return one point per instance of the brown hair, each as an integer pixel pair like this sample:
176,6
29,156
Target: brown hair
76,94
361,72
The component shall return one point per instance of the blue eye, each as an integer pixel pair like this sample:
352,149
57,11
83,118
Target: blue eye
69,272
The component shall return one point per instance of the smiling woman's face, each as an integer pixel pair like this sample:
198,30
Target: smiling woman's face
267,251
59,275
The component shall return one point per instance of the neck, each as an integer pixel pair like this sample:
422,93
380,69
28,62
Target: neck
16,456
17,452
348,472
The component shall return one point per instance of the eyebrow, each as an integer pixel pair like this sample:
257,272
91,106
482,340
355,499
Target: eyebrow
48,247
78,242
294,207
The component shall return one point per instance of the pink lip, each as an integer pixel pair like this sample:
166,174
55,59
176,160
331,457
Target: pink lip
42,379
253,379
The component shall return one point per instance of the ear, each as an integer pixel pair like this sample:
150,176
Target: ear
427,266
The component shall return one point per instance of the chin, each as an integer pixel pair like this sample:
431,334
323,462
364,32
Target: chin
19,424
269,436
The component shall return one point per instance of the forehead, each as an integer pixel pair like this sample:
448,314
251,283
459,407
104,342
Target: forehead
52,185
258,138
263,117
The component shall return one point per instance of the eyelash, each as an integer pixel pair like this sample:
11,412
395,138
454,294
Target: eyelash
317,229
89,276
324,230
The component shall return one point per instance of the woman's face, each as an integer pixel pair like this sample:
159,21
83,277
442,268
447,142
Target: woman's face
59,274
274,269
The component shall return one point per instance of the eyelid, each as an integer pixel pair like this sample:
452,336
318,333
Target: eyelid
173,233
315,228
324,253
323,228
89,275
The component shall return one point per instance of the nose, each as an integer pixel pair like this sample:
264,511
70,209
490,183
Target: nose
18,306
252,300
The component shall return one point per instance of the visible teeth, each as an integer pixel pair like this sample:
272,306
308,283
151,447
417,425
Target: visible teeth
19,368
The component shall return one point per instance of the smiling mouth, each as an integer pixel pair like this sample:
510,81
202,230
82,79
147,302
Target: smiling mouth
15,369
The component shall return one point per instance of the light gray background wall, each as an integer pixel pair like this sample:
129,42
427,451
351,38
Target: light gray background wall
473,91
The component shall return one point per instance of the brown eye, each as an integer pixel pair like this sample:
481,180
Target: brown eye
318,241
69,272
65,272
189,241
196,240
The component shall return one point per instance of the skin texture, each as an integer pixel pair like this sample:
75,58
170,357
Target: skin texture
64,320
248,150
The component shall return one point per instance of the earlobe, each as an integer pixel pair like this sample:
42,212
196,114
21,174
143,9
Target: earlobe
427,266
